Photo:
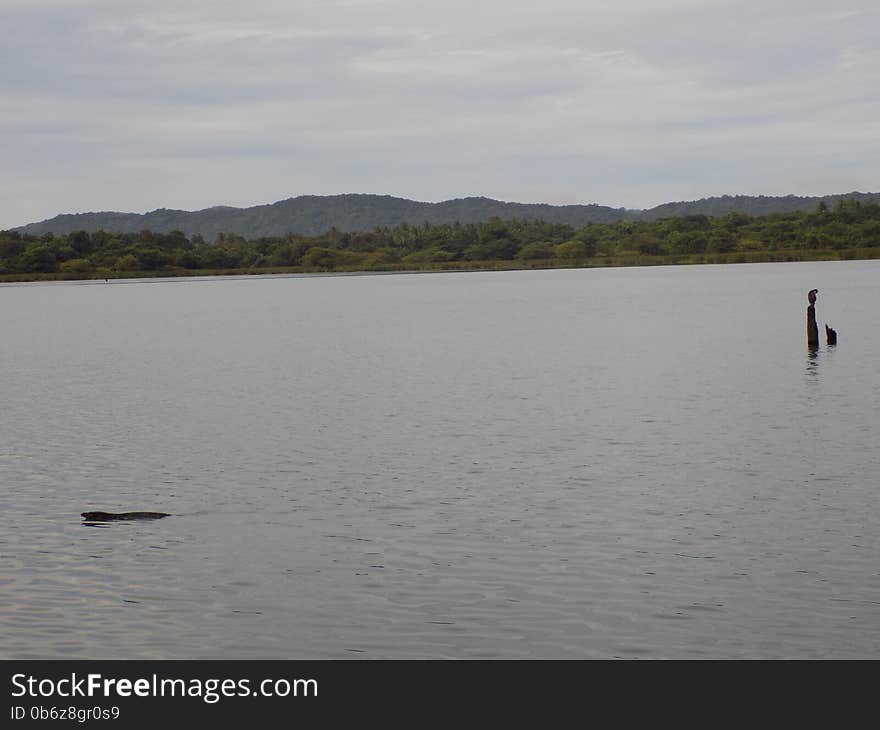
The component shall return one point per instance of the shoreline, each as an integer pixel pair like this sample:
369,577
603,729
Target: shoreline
619,261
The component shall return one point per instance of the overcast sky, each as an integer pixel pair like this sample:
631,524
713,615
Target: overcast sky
129,105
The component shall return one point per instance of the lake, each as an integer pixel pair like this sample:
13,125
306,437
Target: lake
634,463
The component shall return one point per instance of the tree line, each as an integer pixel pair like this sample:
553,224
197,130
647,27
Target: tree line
849,229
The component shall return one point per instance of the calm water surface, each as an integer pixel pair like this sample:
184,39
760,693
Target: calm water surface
552,464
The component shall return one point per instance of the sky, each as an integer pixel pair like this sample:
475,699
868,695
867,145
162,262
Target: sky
134,105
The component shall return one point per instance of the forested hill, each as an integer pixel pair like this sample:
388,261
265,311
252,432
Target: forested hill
756,205
313,215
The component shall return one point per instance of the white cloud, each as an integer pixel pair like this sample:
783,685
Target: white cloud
146,104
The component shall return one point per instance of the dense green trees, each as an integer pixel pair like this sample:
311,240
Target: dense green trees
849,229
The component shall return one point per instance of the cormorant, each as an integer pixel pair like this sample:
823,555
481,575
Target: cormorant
812,295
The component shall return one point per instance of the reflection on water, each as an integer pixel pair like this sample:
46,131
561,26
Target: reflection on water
815,356
522,464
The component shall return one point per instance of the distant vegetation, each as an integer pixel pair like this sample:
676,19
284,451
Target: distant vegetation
755,205
312,215
849,229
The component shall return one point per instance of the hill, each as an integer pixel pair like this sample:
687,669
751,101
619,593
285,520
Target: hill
756,205
312,215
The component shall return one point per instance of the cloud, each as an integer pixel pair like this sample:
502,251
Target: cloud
138,105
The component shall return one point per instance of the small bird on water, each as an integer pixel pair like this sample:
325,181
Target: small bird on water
811,296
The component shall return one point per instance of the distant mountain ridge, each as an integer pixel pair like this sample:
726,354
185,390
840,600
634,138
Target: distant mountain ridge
756,205
314,214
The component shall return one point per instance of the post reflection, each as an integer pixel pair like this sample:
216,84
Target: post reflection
812,369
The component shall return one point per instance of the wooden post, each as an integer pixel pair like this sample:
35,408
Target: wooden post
812,328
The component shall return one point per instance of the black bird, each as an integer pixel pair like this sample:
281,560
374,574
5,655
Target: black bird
812,295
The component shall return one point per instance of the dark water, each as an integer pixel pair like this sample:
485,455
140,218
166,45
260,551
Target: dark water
581,463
